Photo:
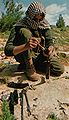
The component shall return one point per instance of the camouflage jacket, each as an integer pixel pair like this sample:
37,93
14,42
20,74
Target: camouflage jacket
21,34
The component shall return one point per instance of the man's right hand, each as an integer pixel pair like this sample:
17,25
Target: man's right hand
32,43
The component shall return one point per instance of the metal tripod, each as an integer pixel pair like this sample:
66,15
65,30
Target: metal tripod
13,99
22,94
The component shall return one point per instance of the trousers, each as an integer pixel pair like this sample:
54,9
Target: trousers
40,63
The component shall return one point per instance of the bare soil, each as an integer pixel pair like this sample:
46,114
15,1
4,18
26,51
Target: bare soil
45,96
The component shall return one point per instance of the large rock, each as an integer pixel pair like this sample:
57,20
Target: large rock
63,54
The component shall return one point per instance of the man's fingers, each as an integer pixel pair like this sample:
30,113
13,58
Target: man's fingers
35,39
32,44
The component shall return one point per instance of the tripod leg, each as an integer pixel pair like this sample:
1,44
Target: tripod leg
48,71
28,106
47,63
21,101
15,93
11,103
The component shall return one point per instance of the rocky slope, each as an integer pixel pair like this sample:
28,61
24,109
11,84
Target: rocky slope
47,98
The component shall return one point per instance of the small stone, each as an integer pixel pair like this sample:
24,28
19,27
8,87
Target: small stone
6,62
0,58
2,68
2,80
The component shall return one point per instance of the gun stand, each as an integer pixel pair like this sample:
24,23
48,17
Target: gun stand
23,92
47,63
13,99
48,68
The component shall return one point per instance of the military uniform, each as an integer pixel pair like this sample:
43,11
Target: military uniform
30,27
20,35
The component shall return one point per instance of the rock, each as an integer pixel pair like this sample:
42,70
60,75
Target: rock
63,54
66,77
2,54
0,58
2,68
2,80
6,62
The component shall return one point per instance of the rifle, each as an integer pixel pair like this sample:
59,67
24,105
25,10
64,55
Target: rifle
45,51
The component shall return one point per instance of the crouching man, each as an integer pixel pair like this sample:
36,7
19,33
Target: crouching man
25,39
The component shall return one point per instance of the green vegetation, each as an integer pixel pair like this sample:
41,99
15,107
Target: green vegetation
52,116
60,37
4,34
60,23
12,14
6,112
1,49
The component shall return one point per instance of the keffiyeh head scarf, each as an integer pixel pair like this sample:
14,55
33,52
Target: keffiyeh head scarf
35,8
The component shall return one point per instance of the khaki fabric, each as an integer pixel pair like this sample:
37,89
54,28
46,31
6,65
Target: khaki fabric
19,36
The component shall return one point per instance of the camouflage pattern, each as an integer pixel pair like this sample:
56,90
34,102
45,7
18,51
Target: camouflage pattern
20,36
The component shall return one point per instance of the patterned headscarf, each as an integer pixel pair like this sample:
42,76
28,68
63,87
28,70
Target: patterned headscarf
35,8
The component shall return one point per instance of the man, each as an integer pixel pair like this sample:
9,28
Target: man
26,39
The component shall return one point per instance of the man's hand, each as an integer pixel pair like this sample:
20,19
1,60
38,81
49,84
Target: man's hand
50,49
32,43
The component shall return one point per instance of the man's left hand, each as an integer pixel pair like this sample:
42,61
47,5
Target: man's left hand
50,49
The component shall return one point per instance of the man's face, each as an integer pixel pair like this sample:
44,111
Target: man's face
38,18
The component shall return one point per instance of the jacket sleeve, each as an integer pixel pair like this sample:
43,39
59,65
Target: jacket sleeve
48,38
9,45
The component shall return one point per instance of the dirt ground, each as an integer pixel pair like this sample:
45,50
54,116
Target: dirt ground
45,97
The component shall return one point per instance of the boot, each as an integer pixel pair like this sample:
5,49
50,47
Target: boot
31,73
21,67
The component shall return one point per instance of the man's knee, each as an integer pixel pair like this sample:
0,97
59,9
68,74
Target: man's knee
56,67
